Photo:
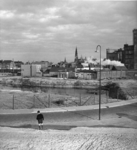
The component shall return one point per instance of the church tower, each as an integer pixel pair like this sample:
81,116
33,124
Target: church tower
65,60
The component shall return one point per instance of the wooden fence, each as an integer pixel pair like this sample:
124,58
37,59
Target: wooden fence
111,74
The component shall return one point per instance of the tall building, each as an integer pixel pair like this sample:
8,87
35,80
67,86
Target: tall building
135,57
128,56
115,54
135,37
135,47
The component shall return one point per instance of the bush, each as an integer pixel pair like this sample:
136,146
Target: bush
78,83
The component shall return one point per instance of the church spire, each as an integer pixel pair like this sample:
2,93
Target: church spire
76,55
65,60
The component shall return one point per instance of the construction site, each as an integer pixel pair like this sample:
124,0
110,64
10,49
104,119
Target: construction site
22,93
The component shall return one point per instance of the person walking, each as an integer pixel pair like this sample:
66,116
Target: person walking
40,119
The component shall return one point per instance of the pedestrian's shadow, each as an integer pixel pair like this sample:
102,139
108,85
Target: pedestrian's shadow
132,117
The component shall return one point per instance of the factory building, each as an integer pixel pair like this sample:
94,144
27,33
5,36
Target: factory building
127,55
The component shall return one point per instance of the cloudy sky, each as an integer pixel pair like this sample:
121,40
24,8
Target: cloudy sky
51,30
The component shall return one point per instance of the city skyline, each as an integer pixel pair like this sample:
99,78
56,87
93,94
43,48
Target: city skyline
38,30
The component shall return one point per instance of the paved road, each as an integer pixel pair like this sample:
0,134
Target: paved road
71,119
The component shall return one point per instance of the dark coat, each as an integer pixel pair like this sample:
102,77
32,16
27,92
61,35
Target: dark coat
40,117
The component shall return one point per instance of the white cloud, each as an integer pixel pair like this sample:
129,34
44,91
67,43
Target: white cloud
49,35
47,18
52,10
81,23
30,36
60,28
5,14
26,15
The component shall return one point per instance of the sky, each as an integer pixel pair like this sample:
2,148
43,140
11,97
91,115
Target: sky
50,30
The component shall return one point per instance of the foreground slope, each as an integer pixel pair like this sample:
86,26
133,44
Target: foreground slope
75,139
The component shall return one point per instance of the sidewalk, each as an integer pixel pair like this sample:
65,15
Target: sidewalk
68,109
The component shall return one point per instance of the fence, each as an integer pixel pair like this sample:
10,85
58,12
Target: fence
111,74
62,98
104,75
47,100
132,74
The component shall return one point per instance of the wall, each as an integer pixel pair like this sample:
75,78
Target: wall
25,70
30,70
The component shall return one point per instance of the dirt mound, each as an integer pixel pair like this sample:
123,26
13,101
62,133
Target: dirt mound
122,89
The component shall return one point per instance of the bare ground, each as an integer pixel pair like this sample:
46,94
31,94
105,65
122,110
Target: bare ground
81,138
75,139
28,100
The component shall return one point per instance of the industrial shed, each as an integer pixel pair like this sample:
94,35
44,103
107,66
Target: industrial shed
66,73
86,74
61,72
119,68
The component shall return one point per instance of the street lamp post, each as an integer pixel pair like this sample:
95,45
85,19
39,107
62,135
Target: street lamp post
99,83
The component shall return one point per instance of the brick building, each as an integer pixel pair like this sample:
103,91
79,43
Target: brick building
135,48
114,54
128,55
135,37
131,53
